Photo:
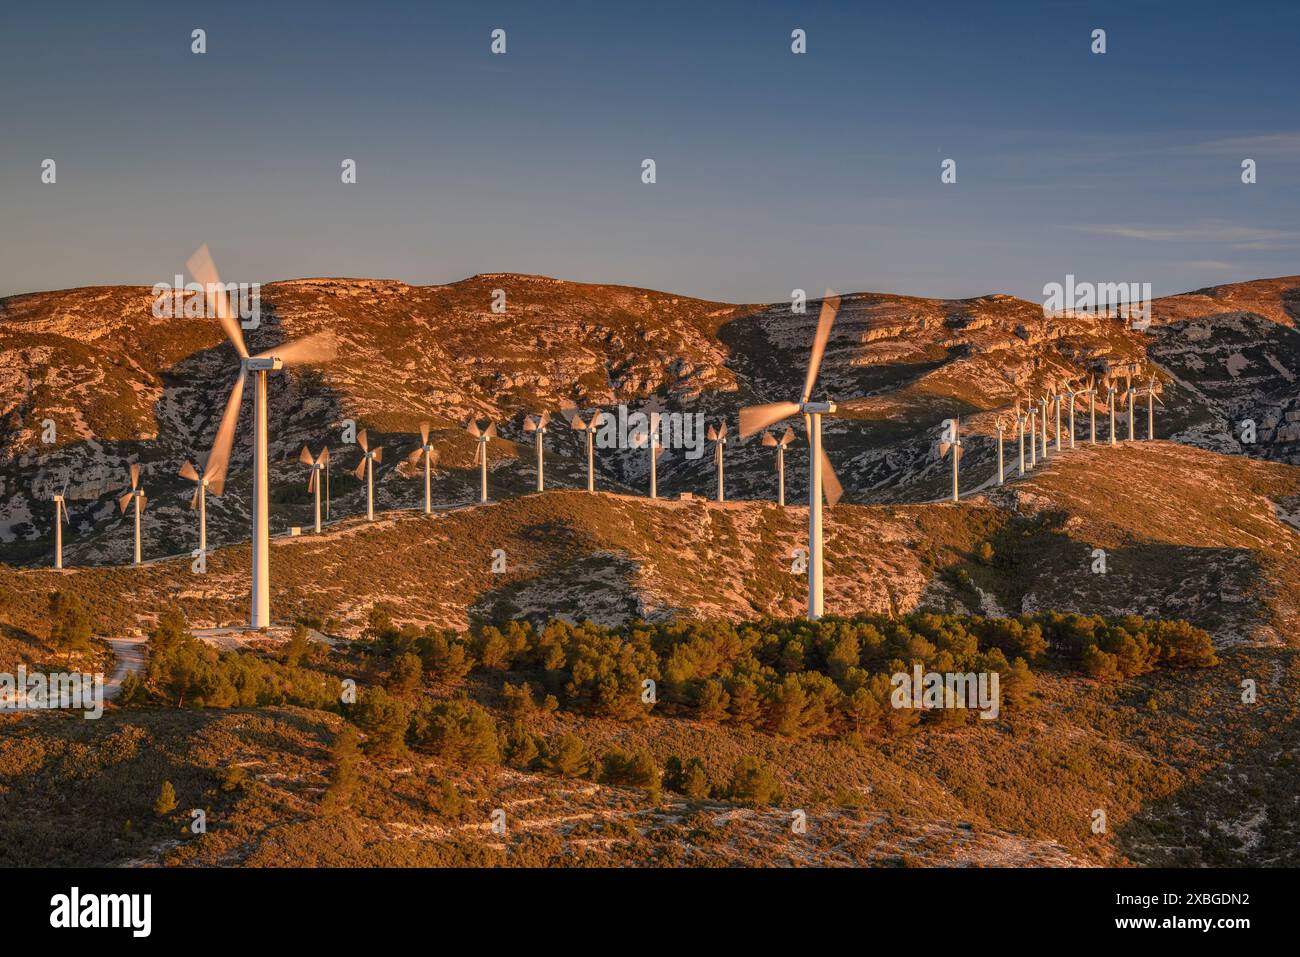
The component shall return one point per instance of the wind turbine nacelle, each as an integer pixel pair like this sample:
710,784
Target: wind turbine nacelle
821,408
264,364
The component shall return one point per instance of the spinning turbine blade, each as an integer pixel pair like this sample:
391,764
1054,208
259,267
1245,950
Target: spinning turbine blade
124,500
491,430
755,418
414,456
194,499
188,471
424,433
378,456
305,456
202,268
769,440
830,481
219,457
135,474
363,440
318,347
830,305
360,470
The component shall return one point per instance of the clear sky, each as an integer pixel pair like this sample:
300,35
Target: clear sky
775,170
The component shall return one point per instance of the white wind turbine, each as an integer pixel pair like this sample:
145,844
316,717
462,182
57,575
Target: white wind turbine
1129,394
1071,391
955,447
430,456
136,493
198,501
366,467
718,437
60,516
1092,410
1042,418
649,439
771,441
537,425
309,349
1002,427
317,465
1056,400
1110,402
480,454
1152,398
570,412
1033,433
1020,432
821,477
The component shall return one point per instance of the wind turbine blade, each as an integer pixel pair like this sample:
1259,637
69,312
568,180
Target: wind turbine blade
755,418
135,474
472,428
530,423
219,457
378,455
363,440
424,433
188,471
769,440
722,430
433,457
577,424
478,453
194,499
360,470
324,456
788,437
124,500
545,420
491,430
830,481
712,434
414,456
144,500
311,482
318,347
830,305
305,456
204,270
568,410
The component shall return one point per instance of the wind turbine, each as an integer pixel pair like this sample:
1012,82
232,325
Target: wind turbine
650,439
1056,397
480,454
771,441
821,477
1071,391
570,412
1033,434
1092,410
1042,418
317,465
369,459
1128,393
137,494
430,456
955,447
199,501
1002,426
1109,383
537,425
1020,430
309,349
60,516
1152,398
718,437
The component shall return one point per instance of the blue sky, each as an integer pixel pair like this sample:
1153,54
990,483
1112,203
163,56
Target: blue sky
775,171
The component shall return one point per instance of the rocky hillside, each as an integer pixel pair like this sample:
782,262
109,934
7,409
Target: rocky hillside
119,385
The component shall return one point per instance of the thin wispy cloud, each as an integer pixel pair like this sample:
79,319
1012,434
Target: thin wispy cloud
1264,144
1206,232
